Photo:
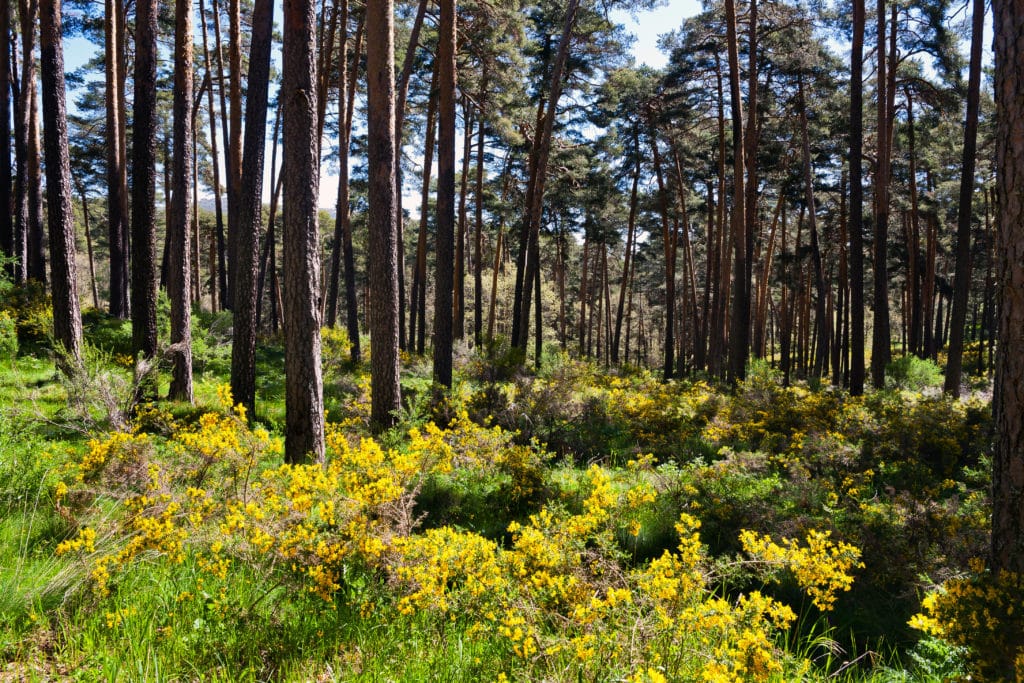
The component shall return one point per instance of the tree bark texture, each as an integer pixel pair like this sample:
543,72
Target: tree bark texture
178,234
250,219
739,324
67,319
444,279
6,219
304,407
117,188
962,276
1008,408
383,314
857,365
143,265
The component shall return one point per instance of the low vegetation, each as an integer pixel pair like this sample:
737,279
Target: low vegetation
571,524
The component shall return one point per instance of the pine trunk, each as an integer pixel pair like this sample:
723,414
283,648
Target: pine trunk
144,125
444,279
67,319
181,199
304,408
383,315
250,219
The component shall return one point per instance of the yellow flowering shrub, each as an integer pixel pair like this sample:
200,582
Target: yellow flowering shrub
821,567
553,591
983,612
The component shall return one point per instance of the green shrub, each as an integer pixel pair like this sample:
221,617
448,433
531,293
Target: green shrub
8,336
913,374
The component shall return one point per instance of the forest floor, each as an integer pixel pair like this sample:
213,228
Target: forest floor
573,523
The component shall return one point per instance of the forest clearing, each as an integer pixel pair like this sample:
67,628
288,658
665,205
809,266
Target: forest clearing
594,370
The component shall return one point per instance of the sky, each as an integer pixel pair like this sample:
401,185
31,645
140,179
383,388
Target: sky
647,26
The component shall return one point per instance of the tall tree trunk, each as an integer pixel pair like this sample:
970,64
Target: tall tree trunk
459,290
304,407
419,281
67,318
739,326
822,321
250,219
347,253
224,248
524,228
444,279
669,249
233,142
6,219
1008,401
21,126
144,124
117,188
750,143
181,199
542,147
857,364
269,259
880,339
841,344
583,293
914,243
36,248
88,244
218,267
478,206
401,96
494,283
383,315
962,278
630,234
341,209
28,235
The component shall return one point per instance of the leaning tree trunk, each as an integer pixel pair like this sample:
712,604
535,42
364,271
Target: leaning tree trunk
962,277
143,266
535,194
380,62
67,319
178,235
250,219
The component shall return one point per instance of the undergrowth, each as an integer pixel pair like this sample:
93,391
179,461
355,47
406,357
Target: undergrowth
571,524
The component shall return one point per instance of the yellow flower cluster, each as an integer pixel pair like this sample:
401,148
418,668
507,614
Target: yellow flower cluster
822,567
983,613
441,563
85,542
119,445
